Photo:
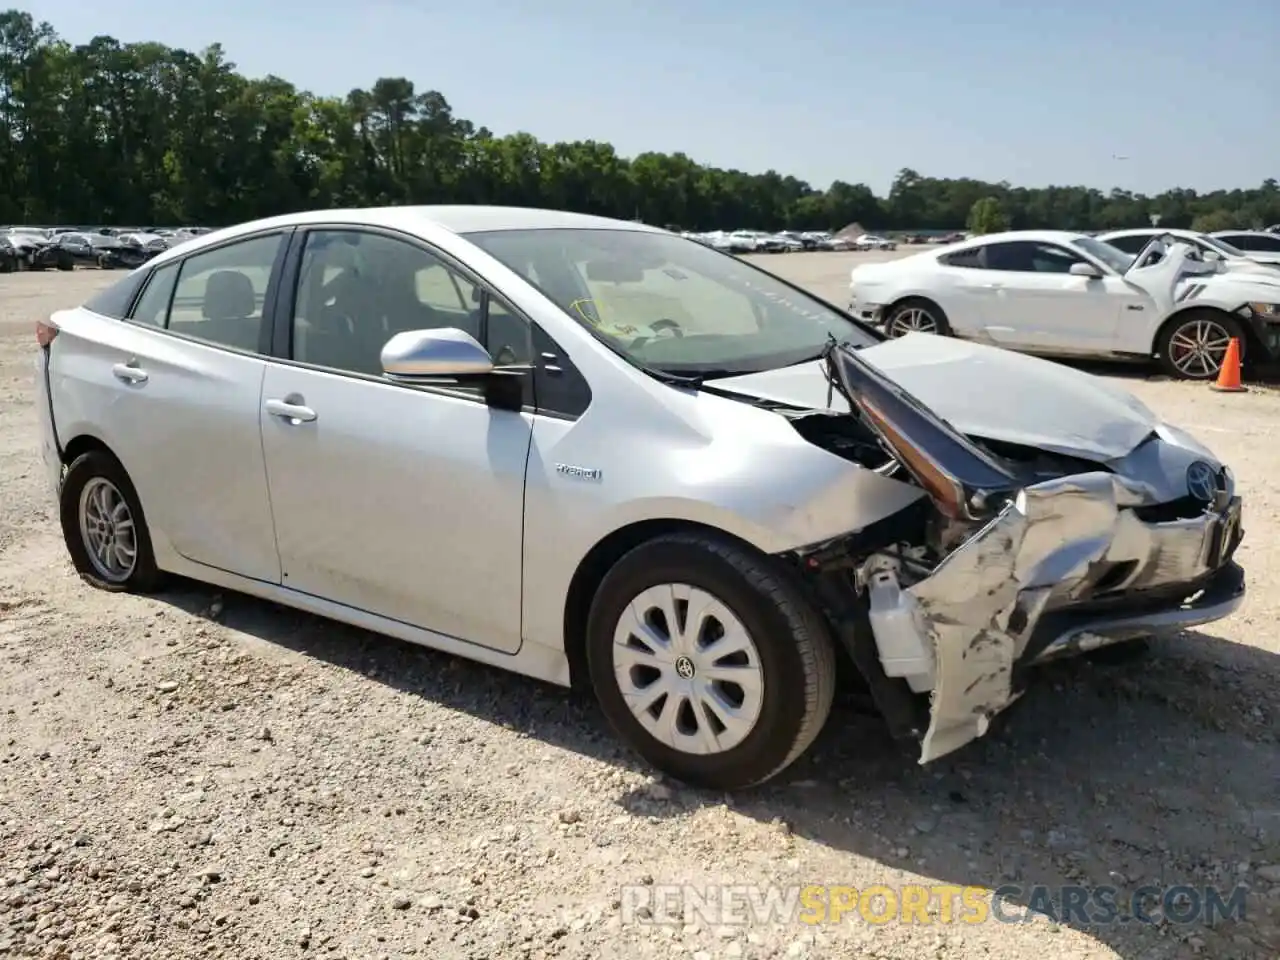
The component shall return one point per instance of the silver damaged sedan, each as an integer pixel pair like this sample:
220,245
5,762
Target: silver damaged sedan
595,452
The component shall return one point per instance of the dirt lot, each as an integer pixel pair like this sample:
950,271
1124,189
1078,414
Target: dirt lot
205,775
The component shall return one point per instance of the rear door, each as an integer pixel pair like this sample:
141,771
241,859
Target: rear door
174,390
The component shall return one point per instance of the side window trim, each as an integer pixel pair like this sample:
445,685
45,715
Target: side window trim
553,364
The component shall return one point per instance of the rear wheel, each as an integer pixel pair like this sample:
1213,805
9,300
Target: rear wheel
916,316
709,661
1193,345
104,528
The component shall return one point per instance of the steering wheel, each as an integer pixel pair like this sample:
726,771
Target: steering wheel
660,328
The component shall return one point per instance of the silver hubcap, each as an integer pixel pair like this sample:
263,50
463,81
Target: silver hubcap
1197,349
106,526
688,669
913,320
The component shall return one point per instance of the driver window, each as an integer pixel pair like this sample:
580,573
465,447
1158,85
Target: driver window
356,290
1025,257
443,289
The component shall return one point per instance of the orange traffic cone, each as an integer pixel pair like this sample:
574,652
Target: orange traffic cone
1229,375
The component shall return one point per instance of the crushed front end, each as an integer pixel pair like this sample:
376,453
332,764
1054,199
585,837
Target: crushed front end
1016,557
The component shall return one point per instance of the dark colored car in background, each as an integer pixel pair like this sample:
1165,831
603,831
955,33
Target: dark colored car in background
8,256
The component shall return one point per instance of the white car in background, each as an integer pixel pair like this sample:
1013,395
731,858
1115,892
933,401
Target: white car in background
1260,245
1209,247
1067,294
869,241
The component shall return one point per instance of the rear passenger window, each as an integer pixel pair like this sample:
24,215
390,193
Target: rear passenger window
964,258
114,301
153,305
220,295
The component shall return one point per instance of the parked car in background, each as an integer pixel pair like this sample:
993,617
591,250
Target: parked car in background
870,241
681,481
1258,244
85,249
1209,248
1066,294
9,258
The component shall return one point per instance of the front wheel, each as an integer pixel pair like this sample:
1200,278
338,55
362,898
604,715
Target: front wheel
104,527
1194,345
709,661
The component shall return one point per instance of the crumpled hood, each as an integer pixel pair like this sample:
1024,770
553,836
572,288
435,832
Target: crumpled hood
984,392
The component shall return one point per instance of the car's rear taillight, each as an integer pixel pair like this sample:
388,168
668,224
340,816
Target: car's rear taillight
46,330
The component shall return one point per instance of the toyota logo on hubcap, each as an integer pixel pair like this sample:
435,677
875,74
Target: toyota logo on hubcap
684,668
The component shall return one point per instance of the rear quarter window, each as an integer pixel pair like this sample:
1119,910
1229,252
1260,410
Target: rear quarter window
971,258
115,301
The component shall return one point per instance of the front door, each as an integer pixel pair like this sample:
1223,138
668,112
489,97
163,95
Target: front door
1040,305
405,502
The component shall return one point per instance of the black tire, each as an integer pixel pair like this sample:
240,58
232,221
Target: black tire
66,264
796,653
896,318
1118,654
1185,321
145,576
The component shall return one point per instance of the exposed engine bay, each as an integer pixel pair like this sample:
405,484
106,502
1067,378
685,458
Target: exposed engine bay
1016,555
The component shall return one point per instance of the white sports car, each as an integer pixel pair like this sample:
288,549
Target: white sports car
1260,245
1208,246
1066,294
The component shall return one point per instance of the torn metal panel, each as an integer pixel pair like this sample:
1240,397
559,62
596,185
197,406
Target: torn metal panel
980,605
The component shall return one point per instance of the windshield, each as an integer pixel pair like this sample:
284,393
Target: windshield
673,304
1113,257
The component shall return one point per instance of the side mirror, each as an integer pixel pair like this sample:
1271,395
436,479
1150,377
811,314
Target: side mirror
1080,269
429,354
1211,256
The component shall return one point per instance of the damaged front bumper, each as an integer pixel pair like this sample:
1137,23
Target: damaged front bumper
1065,567
1042,569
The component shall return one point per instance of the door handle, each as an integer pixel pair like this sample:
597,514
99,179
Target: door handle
293,413
129,372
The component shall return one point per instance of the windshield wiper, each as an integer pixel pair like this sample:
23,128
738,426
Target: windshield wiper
699,382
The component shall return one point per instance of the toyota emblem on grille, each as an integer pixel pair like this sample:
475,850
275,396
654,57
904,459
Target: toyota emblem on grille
1202,482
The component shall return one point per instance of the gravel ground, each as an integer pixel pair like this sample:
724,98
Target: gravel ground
206,775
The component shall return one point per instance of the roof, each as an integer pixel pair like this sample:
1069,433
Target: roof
1032,236
1152,231
419,220
458,218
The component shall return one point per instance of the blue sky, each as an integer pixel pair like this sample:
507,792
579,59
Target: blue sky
1033,93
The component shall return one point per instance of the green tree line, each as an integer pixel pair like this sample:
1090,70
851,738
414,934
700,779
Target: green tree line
141,133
